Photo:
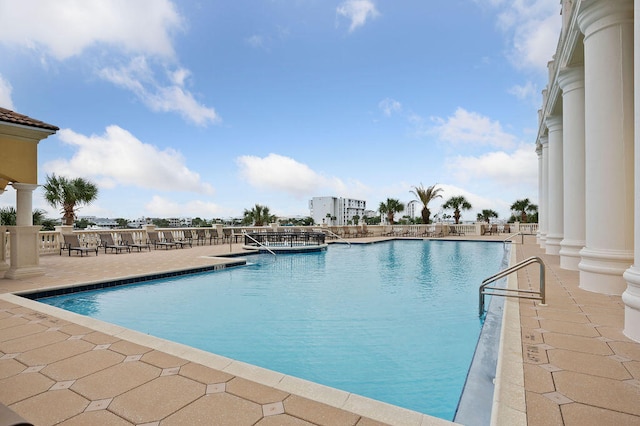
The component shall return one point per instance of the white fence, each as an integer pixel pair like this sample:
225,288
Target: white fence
50,241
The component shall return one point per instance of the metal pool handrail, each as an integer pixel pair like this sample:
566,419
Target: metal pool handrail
246,235
336,236
508,292
508,239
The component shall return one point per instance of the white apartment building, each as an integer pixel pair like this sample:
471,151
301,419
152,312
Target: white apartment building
324,209
179,222
413,209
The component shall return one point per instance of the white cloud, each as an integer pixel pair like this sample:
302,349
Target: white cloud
357,11
533,27
478,202
471,127
284,174
280,173
65,28
119,158
139,78
5,94
389,106
528,91
141,29
507,169
255,41
163,207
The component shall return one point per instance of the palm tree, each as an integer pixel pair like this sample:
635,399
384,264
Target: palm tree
8,216
69,193
390,208
425,195
258,215
457,203
486,215
523,206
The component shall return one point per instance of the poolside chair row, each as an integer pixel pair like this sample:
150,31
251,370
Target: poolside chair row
349,232
495,229
72,243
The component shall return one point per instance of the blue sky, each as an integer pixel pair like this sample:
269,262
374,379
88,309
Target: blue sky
205,108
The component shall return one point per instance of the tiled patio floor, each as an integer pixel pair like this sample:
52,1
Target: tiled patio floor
579,369
58,368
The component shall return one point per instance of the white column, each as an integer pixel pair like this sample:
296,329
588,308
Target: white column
571,81
543,211
609,137
3,247
25,255
631,296
539,153
24,203
555,200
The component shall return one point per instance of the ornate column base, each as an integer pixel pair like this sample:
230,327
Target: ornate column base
570,254
601,270
25,256
552,245
543,240
631,299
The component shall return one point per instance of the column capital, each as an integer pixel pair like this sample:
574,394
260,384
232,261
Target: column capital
571,78
544,141
24,186
596,15
553,122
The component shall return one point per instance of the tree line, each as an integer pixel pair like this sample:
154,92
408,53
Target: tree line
69,194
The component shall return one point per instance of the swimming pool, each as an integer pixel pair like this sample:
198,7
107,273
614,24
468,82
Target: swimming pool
394,321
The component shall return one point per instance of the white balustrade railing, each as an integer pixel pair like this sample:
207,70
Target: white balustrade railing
50,241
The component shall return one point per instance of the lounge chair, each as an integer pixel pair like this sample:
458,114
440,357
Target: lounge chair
455,231
106,241
154,239
127,239
168,238
364,232
214,236
493,229
201,237
187,237
72,243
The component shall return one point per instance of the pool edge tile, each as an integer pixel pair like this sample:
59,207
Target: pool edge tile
509,392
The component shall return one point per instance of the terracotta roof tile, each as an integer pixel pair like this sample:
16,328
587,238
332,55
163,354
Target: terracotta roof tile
9,116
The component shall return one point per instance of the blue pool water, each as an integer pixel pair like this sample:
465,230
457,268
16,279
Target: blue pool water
394,321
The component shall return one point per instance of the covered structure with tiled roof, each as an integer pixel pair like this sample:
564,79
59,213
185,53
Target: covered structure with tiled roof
19,138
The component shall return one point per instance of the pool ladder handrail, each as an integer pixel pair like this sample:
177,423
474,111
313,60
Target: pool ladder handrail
509,292
336,236
246,234
508,239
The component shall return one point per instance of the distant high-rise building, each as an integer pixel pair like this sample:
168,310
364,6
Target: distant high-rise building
325,209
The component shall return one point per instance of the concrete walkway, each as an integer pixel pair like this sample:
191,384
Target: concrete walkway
60,368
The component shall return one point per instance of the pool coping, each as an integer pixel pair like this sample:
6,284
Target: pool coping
509,405
132,279
357,404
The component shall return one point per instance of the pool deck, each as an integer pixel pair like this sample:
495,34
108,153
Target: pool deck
565,363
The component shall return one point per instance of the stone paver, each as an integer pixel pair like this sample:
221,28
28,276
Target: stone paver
115,380
157,399
590,376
